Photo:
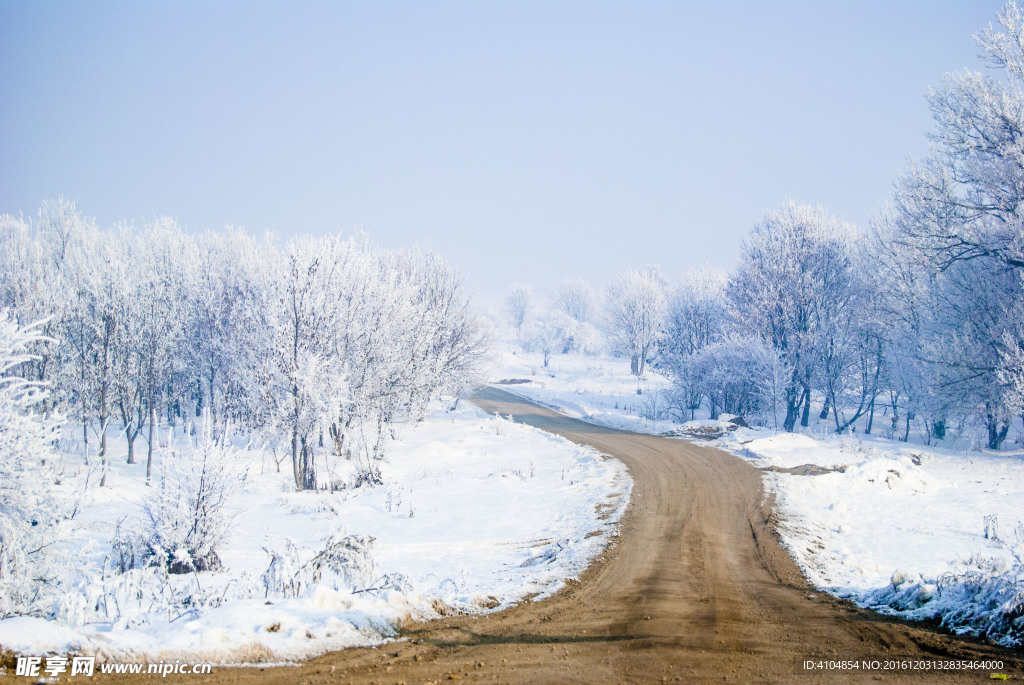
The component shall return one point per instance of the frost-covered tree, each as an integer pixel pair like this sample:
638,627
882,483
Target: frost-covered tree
732,375
791,289
362,339
517,305
849,340
772,376
305,304
959,210
445,342
225,342
129,355
550,334
327,343
575,299
634,309
62,268
149,337
1011,372
33,285
31,516
696,316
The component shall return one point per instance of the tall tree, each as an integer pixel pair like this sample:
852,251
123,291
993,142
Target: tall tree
961,210
696,317
789,289
634,309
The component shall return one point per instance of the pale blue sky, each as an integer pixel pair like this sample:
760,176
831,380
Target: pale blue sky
527,141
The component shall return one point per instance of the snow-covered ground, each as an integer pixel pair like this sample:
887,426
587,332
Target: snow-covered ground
890,524
917,531
475,513
599,389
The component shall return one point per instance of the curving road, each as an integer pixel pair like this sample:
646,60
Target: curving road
697,589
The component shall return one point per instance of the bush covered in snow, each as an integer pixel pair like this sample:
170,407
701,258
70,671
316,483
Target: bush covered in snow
190,514
344,562
983,596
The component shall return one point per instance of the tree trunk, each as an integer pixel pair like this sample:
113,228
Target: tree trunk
295,460
805,419
199,398
793,401
338,437
308,468
996,434
213,402
895,402
149,453
103,450
824,410
871,416
634,365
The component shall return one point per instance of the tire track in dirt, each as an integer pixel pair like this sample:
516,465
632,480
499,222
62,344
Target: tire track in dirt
697,589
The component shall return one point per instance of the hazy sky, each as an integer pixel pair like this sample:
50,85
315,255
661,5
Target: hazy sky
527,141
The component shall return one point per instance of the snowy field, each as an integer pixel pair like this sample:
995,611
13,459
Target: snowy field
475,513
909,530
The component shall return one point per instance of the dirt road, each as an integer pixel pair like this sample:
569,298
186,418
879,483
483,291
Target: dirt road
698,589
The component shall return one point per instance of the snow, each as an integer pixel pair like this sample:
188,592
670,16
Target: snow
476,513
599,389
901,518
897,527
790,450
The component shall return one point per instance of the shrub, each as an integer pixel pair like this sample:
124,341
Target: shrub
190,515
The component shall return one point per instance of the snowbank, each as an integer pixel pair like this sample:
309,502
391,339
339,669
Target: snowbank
790,450
912,532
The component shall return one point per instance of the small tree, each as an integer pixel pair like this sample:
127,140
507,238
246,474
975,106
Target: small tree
517,305
189,516
550,335
695,318
732,375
